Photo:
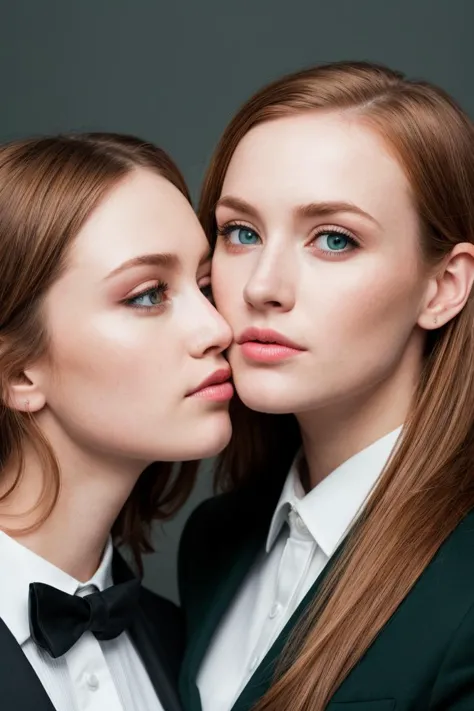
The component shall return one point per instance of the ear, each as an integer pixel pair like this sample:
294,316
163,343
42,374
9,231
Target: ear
24,392
449,288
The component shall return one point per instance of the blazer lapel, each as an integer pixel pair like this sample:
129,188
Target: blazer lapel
230,578
248,518
149,647
20,688
155,662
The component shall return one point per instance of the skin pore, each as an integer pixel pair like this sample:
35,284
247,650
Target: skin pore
319,240
132,335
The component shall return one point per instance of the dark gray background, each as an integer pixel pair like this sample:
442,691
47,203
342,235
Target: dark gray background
175,72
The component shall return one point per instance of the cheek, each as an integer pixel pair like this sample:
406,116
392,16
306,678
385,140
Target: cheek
367,289
373,316
110,354
98,348
228,283
113,385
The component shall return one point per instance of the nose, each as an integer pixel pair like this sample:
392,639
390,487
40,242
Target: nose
211,332
271,284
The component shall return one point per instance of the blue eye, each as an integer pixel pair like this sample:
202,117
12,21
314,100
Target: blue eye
239,235
149,299
334,242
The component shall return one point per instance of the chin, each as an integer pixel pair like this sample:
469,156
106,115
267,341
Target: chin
274,395
272,405
209,438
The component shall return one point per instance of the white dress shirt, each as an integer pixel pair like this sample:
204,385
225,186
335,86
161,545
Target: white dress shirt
92,675
304,533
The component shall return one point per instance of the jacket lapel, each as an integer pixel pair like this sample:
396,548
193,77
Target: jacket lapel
230,578
247,515
20,688
155,662
148,644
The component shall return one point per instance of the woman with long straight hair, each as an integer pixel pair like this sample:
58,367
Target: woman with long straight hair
337,569
111,369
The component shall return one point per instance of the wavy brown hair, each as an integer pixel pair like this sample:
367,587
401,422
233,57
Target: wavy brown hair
428,486
48,188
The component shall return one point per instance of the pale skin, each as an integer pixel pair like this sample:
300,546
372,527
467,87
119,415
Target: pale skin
129,341
319,240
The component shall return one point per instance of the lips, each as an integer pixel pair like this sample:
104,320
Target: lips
219,377
267,347
267,336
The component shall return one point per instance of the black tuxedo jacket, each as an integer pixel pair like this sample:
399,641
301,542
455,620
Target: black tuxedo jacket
157,635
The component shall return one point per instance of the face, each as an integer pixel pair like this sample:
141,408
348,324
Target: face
133,335
317,266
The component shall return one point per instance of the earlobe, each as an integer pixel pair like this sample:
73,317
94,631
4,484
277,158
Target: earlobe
25,395
453,285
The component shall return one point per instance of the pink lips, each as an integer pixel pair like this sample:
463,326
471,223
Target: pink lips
267,346
216,387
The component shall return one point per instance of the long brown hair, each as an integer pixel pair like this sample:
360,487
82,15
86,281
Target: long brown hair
428,487
48,188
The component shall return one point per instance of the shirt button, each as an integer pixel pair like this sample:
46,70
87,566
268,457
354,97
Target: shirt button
276,608
92,682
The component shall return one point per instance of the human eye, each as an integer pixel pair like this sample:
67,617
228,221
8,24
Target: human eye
152,298
238,235
334,241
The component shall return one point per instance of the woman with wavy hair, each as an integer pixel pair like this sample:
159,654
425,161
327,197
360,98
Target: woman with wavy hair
337,569
111,370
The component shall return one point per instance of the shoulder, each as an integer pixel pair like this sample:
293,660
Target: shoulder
214,533
201,540
453,565
453,571
216,527
212,516
228,519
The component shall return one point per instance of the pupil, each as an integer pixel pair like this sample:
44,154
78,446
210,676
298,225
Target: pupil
337,241
154,296
246,236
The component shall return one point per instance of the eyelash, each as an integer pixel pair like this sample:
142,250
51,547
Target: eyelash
229,227
161,287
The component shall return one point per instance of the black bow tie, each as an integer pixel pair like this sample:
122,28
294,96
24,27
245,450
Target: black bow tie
58,620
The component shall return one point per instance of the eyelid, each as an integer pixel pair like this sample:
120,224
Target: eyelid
235,223
328,229
143,288
322,229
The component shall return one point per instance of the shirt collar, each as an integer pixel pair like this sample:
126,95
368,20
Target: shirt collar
329,509
20,567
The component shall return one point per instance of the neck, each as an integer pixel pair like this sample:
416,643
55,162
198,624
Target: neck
333,435
92,493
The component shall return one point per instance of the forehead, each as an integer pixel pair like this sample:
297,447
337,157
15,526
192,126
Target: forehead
143,214
317,156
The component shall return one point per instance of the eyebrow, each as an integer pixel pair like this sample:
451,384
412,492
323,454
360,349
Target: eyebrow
164,259
312,209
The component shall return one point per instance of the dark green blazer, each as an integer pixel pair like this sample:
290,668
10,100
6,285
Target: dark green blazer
423,659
